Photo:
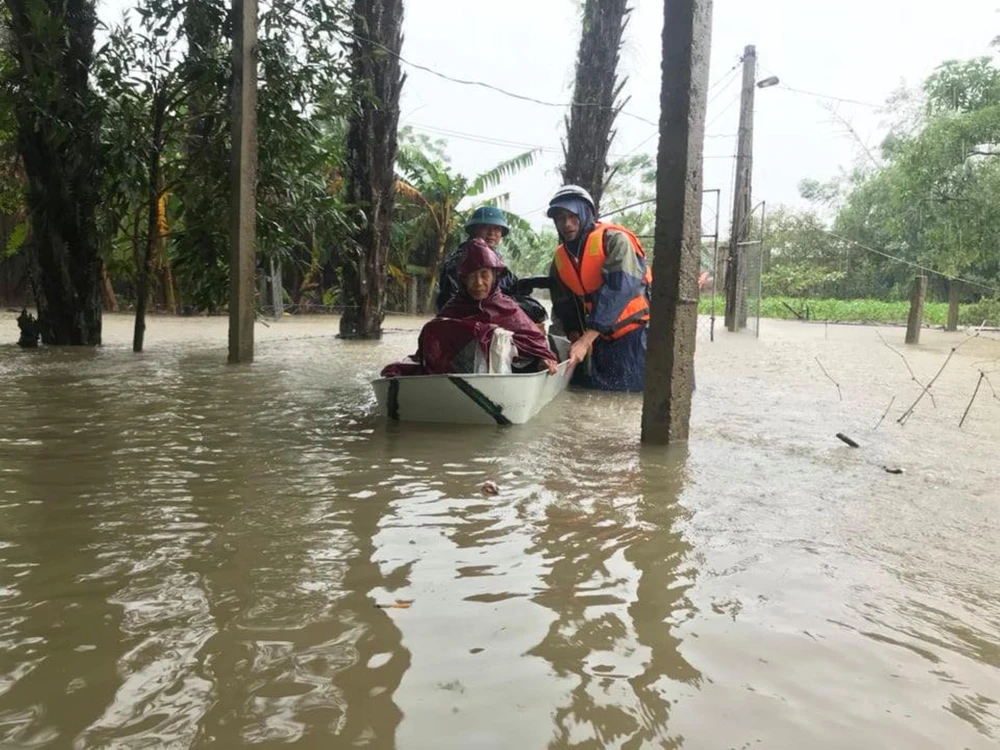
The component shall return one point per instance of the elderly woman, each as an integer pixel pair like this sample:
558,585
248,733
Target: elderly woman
488,224
465,329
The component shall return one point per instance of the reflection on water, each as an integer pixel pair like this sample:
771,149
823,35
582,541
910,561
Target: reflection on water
197,555
610,547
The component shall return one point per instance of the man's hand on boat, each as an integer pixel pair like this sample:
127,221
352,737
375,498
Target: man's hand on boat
580,347
551,366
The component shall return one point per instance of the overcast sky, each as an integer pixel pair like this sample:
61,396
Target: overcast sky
854,49
861,50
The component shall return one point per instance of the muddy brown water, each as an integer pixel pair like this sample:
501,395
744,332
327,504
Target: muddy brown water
193,555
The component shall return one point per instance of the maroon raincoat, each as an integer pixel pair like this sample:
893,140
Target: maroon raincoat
464,320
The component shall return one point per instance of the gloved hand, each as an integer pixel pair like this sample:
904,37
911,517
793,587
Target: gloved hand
529,284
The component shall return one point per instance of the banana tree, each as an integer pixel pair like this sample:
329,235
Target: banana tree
431,197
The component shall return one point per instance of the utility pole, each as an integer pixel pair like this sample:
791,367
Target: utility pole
243,227
736,265
673,325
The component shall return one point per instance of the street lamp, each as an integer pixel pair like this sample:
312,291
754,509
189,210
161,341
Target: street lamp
768,82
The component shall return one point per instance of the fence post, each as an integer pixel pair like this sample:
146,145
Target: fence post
916,318
277,291
952,305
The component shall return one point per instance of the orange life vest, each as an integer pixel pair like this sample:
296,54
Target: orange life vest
584,278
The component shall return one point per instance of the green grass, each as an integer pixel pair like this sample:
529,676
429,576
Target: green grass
863,310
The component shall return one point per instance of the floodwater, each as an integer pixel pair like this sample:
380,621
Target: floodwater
196,555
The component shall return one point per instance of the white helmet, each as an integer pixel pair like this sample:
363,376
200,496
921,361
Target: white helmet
566,196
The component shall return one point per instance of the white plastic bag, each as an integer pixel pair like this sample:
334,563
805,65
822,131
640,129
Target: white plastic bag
501,355
502,351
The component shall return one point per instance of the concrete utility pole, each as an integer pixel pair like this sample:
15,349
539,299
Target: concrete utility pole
243,230
687,39
736,266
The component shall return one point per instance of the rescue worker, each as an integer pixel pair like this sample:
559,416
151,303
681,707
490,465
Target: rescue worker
599,281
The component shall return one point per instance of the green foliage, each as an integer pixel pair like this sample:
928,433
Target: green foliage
331,297
15,240
433,202
983,312
632,181
495,176
302,80
799,279
530,253
12,183
802,259
934,201
138,74
301,101
963,86
861,310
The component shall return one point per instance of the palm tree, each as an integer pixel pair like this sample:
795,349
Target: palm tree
371,152
430,195
589,127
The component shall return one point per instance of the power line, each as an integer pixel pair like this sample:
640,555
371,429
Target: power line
515,144
498,89
786,87
490,140
721,80
724,109
656,132
717,93
736,65
642,143
476,138
828,96
910,262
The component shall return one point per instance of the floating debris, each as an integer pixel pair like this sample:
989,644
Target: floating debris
490,488
398,604
847,440
893,471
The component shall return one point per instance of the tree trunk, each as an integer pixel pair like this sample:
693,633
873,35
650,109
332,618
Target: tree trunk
137,239
108,297
433,272
169,287
152,224
589,134
371,148
953,292
277,290
58,123
411,294
164,273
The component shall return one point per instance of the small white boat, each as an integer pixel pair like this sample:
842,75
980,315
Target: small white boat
469,399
